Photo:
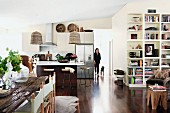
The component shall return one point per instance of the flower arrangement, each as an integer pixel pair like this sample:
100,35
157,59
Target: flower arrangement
10,63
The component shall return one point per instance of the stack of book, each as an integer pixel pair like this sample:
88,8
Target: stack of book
139,72
148,71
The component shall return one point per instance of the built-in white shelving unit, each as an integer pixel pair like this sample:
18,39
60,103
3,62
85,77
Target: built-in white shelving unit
148,46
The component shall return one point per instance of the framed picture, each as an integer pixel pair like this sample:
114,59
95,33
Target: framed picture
149,50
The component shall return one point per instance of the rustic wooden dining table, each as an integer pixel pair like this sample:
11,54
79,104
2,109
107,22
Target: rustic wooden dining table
20,93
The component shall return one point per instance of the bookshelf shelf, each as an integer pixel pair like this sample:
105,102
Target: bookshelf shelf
135,49
165,49
152,66
152,22
152,57
152,40
134,40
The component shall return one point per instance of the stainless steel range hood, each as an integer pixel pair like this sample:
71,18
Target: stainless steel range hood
49,36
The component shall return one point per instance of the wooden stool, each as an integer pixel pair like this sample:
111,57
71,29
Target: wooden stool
155,97
84,68
66,73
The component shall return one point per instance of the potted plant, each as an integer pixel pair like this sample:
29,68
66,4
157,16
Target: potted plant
8,64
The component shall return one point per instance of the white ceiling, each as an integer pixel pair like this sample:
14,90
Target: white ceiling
19,13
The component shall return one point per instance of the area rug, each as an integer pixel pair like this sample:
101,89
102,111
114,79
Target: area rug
66,104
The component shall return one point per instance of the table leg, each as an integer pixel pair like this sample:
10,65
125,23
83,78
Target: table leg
164,100
154,100
148,97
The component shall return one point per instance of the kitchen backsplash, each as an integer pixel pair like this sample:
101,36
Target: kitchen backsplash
51,49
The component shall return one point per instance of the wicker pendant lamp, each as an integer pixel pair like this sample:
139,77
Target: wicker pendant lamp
74,37
36,38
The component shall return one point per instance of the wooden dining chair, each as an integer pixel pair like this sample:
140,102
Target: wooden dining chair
49,95
54,92
36,105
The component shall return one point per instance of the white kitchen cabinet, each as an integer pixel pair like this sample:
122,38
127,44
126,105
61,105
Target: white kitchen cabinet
63,43
87,37
26,46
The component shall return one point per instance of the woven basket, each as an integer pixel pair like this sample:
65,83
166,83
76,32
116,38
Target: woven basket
74,38
36,38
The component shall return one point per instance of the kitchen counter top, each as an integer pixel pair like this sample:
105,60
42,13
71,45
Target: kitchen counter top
57,63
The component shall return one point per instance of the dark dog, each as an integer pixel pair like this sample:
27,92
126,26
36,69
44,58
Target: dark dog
102,70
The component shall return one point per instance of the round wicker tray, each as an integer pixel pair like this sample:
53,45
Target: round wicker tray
60,28
72,27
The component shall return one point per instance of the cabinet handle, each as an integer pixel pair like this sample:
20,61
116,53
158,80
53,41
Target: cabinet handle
48,69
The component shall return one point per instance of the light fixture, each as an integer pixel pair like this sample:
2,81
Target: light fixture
36,38
74,37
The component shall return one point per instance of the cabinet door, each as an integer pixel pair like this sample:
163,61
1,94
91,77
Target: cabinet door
63,43
26,46
87,37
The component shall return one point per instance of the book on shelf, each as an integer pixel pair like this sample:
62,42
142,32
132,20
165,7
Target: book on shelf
135,71
151,18
165,18
148,71
134,80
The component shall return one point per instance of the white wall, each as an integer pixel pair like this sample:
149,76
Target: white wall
101,41
119,27
12,38
12,41
103,23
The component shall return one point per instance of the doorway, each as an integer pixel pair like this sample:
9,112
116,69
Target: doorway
101,41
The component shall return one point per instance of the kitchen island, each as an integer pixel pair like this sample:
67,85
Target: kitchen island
45,68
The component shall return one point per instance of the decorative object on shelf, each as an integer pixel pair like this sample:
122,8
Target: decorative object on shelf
74,38
132,54
140,27
134,28
138,46
151,36
88,30
151,28
164,27
36,38
81,29
151,10
60,28
72,27
156,52
136,19
163,46
133,36
164,36
149,50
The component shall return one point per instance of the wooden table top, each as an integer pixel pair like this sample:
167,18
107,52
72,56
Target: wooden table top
20,93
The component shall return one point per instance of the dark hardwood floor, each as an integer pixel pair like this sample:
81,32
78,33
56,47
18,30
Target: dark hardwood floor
103,96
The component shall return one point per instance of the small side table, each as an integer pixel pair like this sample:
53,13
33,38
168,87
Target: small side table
155,96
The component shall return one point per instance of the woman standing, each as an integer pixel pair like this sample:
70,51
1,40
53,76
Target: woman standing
97,58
